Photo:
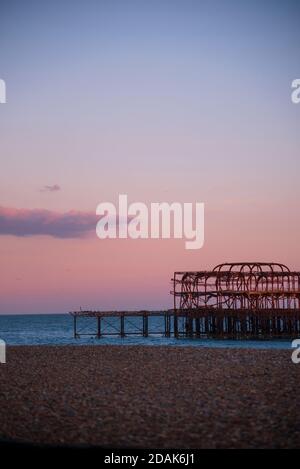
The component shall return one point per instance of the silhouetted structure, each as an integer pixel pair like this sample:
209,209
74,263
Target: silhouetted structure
234,300
248,299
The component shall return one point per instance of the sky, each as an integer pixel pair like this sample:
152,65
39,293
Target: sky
165,101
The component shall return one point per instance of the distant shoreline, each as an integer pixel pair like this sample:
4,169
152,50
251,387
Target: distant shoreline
32,314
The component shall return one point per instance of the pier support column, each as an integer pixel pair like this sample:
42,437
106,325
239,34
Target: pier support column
167,325
98,327
175,326
75,327
122,324
145,325
189,327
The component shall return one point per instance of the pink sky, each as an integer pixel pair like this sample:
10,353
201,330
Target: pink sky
164,105
46,274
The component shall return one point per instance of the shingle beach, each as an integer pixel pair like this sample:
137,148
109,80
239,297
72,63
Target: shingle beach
150,397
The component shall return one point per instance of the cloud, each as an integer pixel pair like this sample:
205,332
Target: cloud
53,188
26,222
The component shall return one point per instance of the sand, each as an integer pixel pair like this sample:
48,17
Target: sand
150,397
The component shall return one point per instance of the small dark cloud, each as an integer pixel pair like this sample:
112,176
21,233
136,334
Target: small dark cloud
53,188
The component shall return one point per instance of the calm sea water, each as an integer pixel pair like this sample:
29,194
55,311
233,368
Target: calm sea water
57,329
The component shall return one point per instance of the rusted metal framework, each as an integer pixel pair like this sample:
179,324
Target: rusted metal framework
238,299
247,299
123,323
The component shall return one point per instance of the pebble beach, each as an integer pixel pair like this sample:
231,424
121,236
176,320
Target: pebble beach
150,397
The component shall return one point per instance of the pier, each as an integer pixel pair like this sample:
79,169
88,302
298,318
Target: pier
234,300
123,323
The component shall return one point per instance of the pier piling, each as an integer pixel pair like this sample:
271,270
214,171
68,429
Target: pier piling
99,327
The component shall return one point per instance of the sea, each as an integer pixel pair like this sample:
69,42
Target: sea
57,329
